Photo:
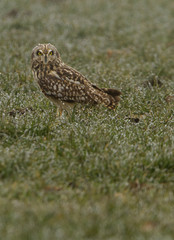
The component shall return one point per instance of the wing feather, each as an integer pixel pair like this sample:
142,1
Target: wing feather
66,89
67,84
72,75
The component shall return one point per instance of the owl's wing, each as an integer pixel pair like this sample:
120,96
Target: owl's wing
72,86
72,75
66,89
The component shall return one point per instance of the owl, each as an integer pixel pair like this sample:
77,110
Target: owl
65,86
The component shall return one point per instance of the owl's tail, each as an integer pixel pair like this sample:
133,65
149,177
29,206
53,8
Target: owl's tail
114,97
111,97
114,93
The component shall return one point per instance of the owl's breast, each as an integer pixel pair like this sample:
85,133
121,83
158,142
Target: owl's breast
35,75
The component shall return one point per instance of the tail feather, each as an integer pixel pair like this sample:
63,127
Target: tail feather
113,92
113,95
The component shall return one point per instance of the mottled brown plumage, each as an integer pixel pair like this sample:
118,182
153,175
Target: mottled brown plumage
64,85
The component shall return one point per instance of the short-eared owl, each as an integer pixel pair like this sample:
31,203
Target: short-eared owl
65,86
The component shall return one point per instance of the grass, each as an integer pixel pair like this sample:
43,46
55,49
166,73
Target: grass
99,174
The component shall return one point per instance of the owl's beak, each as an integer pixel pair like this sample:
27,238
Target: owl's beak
45,59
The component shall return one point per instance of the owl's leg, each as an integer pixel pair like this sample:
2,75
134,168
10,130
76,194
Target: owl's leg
64,108
68,107
59,112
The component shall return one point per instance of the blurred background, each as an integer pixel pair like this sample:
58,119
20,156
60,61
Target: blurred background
100,174
90,33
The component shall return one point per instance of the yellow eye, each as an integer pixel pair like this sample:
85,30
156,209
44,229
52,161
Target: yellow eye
51,53
39,53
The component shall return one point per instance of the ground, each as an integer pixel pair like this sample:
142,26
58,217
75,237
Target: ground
99,174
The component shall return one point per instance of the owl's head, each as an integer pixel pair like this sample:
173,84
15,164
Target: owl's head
45,53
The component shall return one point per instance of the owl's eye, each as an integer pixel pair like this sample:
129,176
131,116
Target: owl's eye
39,53
51,53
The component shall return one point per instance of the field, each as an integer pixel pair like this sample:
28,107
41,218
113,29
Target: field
99,174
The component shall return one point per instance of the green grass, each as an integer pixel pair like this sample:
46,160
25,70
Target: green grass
99,174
